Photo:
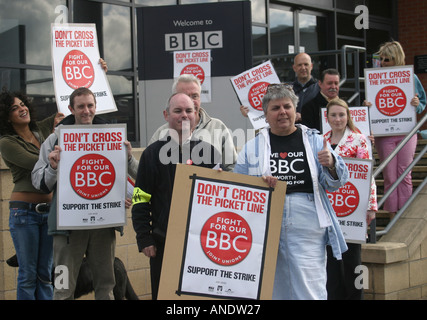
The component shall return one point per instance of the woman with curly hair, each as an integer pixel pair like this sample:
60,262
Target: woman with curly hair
20,141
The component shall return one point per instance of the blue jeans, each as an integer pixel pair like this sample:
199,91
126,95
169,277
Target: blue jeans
301,260
34,250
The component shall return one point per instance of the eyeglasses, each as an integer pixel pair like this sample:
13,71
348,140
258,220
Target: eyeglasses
385,59
278,86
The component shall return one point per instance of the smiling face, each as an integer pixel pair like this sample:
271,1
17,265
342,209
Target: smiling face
19,113
330,86
181,113
337,118
302,67
280,115
84,109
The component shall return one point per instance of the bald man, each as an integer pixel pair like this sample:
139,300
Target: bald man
305,85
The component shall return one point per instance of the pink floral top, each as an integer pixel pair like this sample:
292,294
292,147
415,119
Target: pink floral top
354,145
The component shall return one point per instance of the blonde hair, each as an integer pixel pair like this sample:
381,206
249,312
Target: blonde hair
342,103
393,50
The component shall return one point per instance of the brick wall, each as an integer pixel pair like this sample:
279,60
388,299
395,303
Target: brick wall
413,32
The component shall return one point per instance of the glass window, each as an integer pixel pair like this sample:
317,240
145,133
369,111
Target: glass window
312,31
126,113
116,36
156,2
259,41
196,1
281,31
349,4
345,26
37,84
382,8
25,27
258,11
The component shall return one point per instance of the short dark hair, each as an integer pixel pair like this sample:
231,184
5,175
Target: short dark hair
330,71
7,98
82,91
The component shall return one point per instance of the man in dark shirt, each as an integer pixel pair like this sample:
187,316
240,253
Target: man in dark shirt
329,89
305,85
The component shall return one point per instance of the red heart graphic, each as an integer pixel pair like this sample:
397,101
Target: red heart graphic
283,155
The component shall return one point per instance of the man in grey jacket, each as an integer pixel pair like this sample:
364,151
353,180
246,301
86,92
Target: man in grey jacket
69,247
210,130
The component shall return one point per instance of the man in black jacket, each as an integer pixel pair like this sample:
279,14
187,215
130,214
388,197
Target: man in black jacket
155,180
329,89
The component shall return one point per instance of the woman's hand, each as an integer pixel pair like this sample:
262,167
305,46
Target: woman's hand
270,180
325,156
103,64
367,103
244,111
370,215
415,101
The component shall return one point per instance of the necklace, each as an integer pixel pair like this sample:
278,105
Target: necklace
30,140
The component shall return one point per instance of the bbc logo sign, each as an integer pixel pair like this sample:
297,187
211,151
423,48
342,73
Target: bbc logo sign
193,40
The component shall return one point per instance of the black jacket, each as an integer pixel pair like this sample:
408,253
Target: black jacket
310,113
305,92
155,177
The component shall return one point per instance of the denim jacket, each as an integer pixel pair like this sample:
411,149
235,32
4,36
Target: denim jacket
254,160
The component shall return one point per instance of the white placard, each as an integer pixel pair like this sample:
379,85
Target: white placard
197,63
351,201
225,243
75,63
250,87
92,176
390,91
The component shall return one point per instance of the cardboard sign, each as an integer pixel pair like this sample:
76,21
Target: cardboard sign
390,90
350,202
92,176
223,236
250,87
197,63
360,116
75,63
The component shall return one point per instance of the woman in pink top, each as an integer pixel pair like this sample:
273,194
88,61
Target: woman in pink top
347,141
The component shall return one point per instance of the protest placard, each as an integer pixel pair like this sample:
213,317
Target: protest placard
197,63
223,236
351,201
360,116
390,90
92,176
75,63
250,87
